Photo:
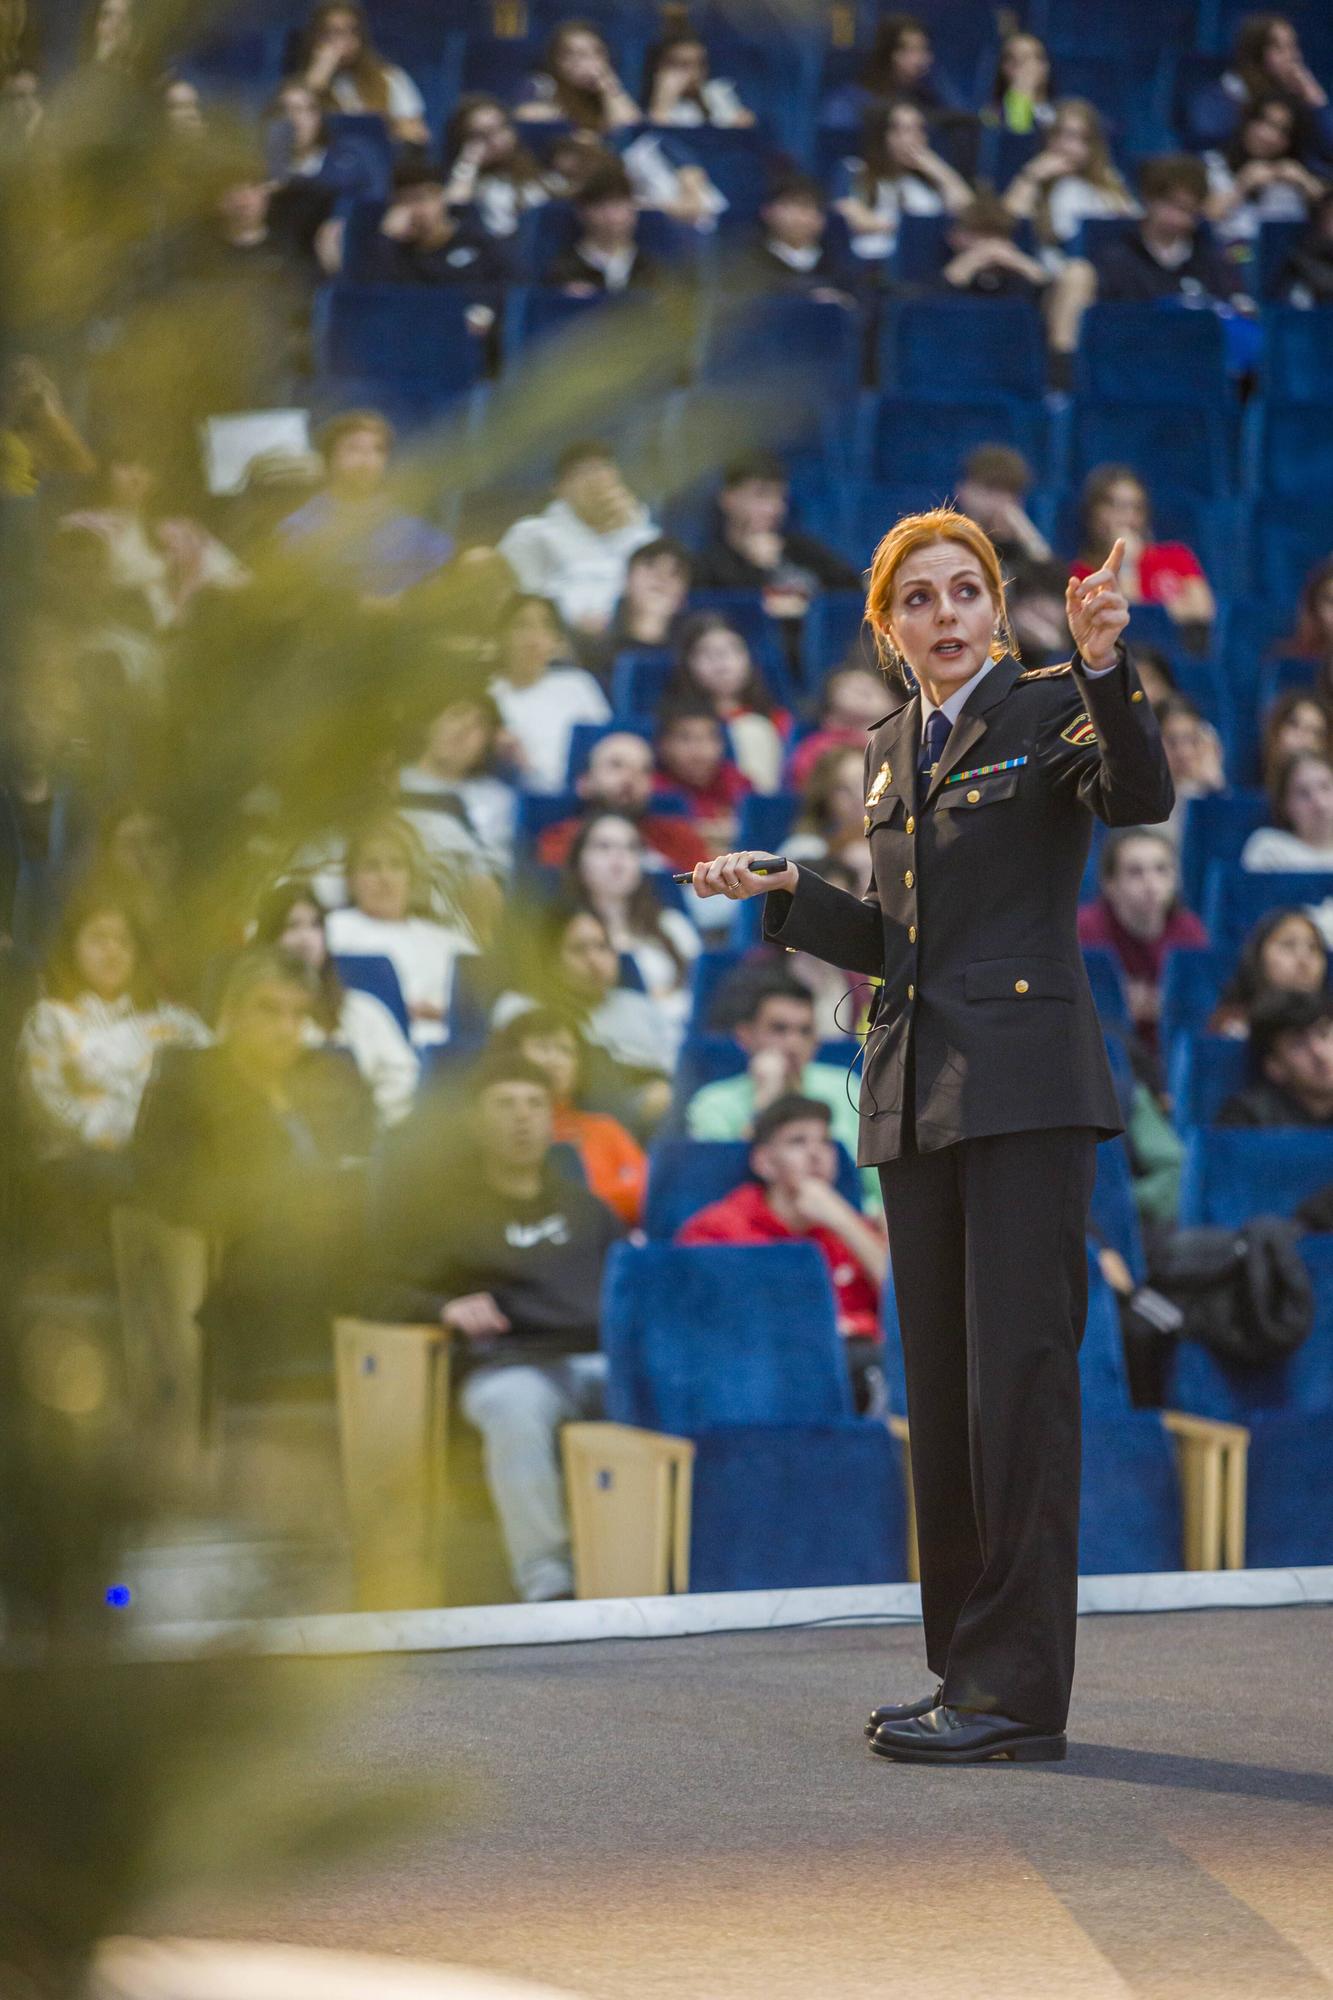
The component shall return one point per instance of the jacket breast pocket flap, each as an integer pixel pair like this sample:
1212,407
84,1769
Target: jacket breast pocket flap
970,795
1019,979
888,811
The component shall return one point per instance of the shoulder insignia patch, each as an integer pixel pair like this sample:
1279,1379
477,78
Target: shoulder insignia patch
1080,731
1042,673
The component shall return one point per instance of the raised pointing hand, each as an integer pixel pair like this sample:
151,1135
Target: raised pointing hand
1097,610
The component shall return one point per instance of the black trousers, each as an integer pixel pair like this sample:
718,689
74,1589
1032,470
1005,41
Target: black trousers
990,1269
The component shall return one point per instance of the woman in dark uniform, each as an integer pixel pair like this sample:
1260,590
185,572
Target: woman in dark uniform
984,1092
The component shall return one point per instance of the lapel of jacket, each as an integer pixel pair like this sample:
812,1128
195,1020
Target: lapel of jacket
973,720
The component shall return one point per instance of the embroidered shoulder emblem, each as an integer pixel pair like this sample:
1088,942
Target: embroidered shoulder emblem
1080,731
883,778
1042,673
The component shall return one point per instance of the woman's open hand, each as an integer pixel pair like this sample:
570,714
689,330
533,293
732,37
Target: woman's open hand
730,875
1097,611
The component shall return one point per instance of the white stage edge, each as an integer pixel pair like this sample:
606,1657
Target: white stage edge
471,1627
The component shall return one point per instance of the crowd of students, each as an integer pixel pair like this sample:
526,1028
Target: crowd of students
417,1057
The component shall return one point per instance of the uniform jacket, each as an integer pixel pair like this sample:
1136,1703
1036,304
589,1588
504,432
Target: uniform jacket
971,917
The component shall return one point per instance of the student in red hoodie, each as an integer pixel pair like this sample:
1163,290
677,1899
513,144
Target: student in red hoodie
792,1198
692,754
1139,916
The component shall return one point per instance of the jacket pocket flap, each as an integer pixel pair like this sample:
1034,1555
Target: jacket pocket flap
969,795
1019,979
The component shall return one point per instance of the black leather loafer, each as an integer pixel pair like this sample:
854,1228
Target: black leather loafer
902,1711
966,1736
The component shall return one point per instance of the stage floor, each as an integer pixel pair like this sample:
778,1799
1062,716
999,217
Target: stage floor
702,1819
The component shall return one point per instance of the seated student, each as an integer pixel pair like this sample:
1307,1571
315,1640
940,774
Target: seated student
618,777
1296,722
540,695
576,84
388,918
605,872
831,822
1194,756
851,701
792,252
897,174
1306,278
513,1267
1072,180
1266,60
1259,177
657,589
1020,95
996,480
777,1034
489,169
694,763
1291,1055
453,776
305,160
1284,953
714,665
421,240
338,60
577,551
261,1142
900,65
84,1057
566,962
1301,836
1139,917
292,919
754,548
615,1164
354,519
159,559
605,256
1115,501
793,1198
1168,256
679,90
987,263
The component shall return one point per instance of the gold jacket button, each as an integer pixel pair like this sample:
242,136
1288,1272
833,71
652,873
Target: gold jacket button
1137,695
973,797
908,879
867,825
1020,986
911,993
911,824
911,933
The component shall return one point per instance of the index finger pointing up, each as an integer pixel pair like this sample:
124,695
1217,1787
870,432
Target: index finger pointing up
1116,557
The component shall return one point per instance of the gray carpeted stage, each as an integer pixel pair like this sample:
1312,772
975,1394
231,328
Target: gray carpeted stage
701,1819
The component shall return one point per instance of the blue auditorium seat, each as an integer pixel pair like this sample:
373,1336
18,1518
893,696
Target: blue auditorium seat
1108,988
1295,461
400,335
1132,91
1277,240
788,338
1141,354
1205,1071
1235,1172
369,972
1068,29
1288,1409
1233,901
1152,438
1114,1216
1129,1510
638,679
1290,537
928,442
738,1349
766,819
944,349
709,971
1216,829
834,630
685,1175
1192,983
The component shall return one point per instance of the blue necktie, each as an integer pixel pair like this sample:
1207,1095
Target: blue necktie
932,749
